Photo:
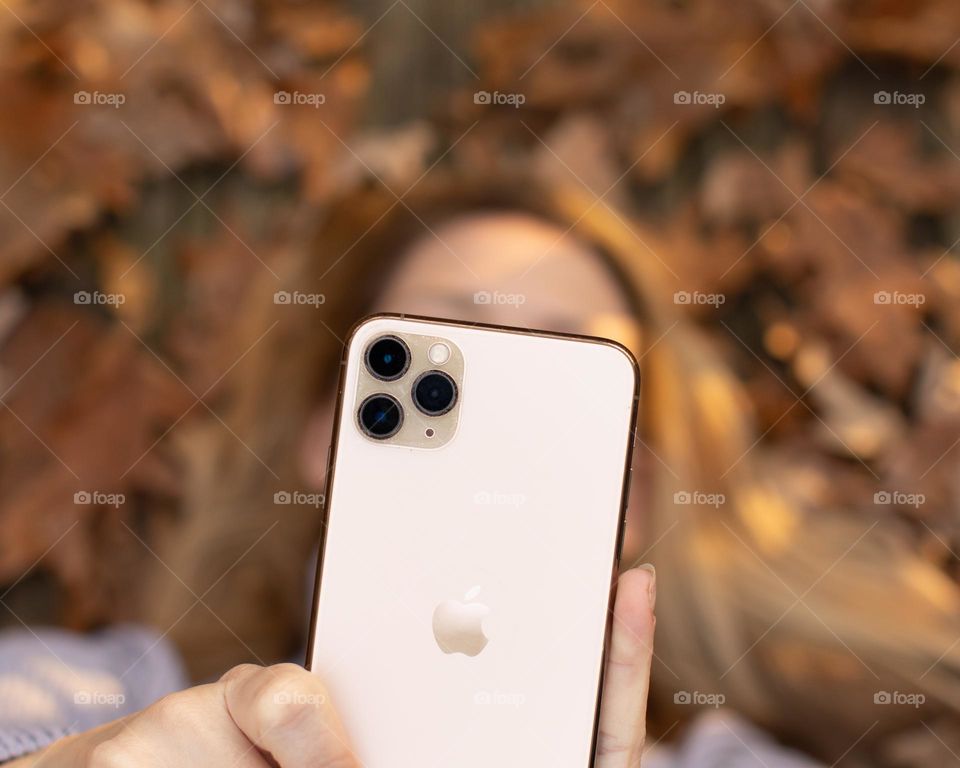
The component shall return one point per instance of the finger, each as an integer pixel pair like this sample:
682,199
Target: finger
186,728
286,712
623,711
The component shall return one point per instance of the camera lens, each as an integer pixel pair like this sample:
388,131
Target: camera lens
434,393
388,358
380,416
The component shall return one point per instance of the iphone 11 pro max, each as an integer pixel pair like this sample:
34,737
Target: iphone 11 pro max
474,514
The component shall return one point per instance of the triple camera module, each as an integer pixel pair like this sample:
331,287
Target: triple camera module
433,392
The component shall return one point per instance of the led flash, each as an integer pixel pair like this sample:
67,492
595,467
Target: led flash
438,353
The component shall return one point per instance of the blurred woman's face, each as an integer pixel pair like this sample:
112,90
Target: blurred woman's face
507,269
500,268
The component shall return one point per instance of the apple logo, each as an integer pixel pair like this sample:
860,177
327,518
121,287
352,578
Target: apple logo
458,625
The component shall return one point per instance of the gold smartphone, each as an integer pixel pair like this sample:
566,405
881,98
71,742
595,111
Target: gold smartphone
475,505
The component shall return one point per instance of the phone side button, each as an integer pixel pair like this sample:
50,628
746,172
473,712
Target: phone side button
327,467
626,507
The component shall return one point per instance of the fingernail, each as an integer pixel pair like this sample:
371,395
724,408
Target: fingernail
653,583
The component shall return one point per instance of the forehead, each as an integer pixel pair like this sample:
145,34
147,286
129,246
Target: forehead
505,268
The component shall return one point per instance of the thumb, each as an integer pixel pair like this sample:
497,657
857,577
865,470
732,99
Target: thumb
285,711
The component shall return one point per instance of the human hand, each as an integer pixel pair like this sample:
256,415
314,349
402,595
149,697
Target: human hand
255,717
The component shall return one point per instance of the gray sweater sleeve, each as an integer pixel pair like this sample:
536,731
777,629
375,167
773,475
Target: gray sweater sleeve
15,742
722,739
53,682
